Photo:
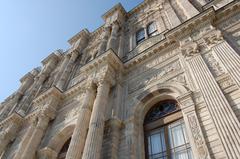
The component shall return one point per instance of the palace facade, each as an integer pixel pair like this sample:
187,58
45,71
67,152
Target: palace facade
158,82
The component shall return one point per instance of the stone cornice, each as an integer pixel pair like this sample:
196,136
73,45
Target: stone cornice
27,76
82,33
52,92
14,118
50,57
158,47
109,57
223,13
78,87
190,25
117,7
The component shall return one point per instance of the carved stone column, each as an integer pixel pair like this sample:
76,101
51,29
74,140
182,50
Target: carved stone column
112,43
94,139
25,139
226,122
62,67
36,137
67,70
194,131
121,45
104,40
80,132
75,51
46,113
9,132
115,126
49,65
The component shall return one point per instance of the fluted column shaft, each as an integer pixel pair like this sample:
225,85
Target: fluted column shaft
229,58
7,135
94,139
226,122
36,137
105,36
113,38
80,132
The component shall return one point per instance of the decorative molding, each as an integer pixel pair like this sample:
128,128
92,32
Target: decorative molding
197,136
14,118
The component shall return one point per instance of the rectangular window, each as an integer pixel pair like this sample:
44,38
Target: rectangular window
169,142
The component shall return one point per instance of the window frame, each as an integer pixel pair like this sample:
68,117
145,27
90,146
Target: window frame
139,41
155,32
162,122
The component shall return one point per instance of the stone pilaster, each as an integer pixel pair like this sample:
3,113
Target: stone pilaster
228,56
80,132
225,120
104,40
194,131
94,139
171,15
188,9
112,42
10,130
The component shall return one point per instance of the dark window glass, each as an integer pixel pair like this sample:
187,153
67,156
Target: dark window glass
152,29
140,36
160,110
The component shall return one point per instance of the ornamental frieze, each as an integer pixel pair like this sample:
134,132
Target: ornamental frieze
154,76
151,64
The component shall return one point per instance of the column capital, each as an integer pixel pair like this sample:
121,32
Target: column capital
190,49
213,38
106,75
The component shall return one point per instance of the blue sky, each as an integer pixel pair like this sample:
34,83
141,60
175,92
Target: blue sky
30,30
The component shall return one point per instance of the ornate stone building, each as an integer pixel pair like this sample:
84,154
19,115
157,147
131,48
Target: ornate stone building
158,82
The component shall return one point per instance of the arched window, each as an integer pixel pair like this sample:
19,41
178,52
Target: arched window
63,151
165,132
140,36
152,29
